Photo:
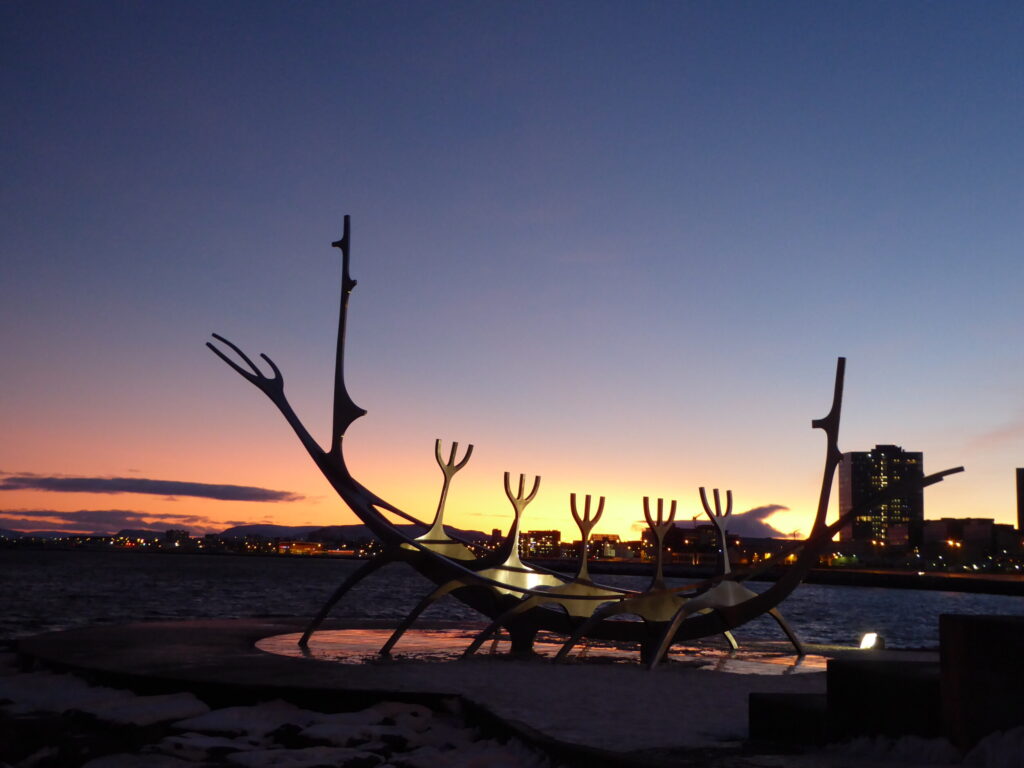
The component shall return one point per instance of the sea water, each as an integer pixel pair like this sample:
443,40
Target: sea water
47,590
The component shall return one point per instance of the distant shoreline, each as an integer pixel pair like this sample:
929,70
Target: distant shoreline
987,583
982,583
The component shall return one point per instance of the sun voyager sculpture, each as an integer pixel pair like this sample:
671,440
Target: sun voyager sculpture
525,599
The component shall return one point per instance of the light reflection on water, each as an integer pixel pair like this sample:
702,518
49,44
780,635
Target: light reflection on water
361,645
48,590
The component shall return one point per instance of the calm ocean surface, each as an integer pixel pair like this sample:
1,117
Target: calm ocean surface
41,591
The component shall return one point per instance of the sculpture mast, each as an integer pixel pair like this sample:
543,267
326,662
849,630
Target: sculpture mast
345,410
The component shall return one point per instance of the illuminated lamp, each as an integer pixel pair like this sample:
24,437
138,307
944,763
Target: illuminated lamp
872,641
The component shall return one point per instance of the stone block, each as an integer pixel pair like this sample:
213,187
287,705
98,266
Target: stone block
883,697
982,659
787,719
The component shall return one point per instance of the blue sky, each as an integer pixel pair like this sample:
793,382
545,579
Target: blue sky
619,245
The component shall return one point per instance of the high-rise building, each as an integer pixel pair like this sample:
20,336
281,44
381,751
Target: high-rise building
897,522
1020,499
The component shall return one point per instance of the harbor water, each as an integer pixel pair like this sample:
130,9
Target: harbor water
47,590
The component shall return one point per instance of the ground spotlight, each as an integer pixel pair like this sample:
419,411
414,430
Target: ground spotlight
872,641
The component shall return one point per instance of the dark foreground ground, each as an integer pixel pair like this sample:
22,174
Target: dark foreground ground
143,695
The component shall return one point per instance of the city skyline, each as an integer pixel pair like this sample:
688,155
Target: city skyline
617,248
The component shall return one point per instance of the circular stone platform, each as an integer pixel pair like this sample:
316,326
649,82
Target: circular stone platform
696,702
361,645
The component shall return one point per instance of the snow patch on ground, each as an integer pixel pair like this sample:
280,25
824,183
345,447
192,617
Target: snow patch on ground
904,751
180,731
48,692
998,750
309,757
198,746
149,710
185,733
138,761
255,722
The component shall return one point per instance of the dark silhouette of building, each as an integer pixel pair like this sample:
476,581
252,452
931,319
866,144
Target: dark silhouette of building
540,543
603,545
972,540
1020,499
861,475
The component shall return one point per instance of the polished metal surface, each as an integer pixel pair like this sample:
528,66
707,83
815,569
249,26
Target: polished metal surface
524,598
436,538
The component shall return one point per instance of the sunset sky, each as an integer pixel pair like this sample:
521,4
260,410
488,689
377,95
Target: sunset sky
619,245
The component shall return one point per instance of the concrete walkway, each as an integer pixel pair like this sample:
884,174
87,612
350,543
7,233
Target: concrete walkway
618,708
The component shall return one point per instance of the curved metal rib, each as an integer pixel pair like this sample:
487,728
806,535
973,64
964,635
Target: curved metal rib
366,569
414,614
487,577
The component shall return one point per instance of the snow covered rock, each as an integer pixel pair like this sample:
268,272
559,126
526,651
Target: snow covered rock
902,751
480,754
445,736
1003,749
149,710
47,692
310,757
492,754
413,716
339,734
138,761
256,721
199,746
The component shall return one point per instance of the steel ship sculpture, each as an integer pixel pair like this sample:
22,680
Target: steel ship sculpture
524,598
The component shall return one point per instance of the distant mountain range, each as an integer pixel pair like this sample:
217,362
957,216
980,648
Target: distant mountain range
355,532
130,532
295,532
7,533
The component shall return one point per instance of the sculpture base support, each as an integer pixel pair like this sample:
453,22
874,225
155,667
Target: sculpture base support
522,635
650,650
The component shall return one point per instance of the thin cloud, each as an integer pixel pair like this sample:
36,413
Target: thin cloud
169,488
752,523
104,521
1008,433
